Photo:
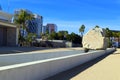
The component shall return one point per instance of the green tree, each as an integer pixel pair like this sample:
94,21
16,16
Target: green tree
75,38
20,19
108,32
118,36
64,34
68,37
72,36
82,29
60,35
53,35
30,37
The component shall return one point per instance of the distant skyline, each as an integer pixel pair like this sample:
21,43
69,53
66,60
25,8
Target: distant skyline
71,14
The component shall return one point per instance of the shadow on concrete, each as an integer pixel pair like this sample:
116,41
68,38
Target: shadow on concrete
67,75
116,54
9,50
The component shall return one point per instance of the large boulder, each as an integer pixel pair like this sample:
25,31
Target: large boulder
95,39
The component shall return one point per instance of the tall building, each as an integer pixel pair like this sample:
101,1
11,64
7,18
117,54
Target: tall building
44,29
39,23
34,25
51,28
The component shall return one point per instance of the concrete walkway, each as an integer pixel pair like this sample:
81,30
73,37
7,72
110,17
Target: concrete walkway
103,68
11,50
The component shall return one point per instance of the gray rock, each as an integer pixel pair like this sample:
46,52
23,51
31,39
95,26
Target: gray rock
95,39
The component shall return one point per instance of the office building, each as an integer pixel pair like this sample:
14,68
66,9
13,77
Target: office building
44,29
34,25
51,28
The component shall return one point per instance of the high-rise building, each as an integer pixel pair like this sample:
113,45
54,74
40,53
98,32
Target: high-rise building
39,21
34,25
44,29
51,28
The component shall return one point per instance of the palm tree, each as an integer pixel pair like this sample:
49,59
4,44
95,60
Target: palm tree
30,37
82,29
108,32
20,19
108,35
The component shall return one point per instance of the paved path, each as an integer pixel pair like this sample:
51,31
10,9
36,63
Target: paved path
104,68
11,50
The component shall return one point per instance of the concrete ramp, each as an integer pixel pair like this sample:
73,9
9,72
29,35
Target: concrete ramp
33,69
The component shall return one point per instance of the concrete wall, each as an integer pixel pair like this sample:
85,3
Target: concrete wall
41,69
1,36
51,43
11,36
8,36
56,43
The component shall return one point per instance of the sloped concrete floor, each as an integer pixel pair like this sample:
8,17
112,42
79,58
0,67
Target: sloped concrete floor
103,68
11,50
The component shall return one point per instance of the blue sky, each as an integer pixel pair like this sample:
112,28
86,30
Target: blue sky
71,14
